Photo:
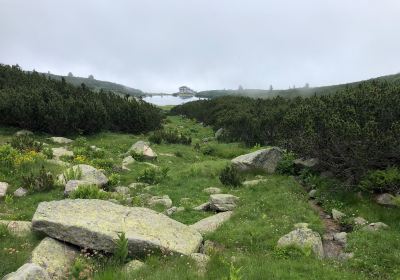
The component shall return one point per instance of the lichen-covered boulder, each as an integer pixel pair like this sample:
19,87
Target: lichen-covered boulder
28,271
265,159
55,257
61,140
142,148
210,224
89,174
3,189
304,239
94,224
223,202
61,151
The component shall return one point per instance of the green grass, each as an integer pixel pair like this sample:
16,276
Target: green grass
247,241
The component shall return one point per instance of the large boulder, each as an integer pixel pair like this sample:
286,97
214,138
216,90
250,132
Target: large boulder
305,239
3,189
265,159
55,257
94,224
142,148
28,271
223,202
61,151
210,224
89,176
61,140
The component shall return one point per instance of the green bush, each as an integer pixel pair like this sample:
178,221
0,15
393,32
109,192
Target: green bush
114,179
26,143
387,180
153,175
89,192
103,163
121,249
43,181
7,156
156,137
286,165
47,152
170,137
230,176
208,150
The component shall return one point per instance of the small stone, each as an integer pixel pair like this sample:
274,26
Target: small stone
340,237
171,210
375,226
203,207
212,190
142,148
18,228
312,194
337,215
360,221
223,202
133,265
137,185
210,247
254,182
201,261
212,223
122,190
126,161
61,151
160,200
20,192
3,189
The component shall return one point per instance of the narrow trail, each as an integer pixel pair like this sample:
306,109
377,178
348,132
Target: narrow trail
332,248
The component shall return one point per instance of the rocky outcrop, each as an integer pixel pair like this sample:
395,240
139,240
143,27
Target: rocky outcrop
142,148
28,271
3,189
61,140
223,202
94,224
55,257
210,224
265,159
304,239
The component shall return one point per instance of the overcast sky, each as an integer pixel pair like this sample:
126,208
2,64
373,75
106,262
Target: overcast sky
159,45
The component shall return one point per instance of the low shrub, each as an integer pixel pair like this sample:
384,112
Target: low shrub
114,179
208,150
387,180
103,163
47,152
121,249
26,143
7,156
153,175
286,165
88,192
43,181
170,137
230,176
156,137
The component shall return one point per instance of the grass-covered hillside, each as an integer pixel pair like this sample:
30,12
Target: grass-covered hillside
294,92
190,160
97,85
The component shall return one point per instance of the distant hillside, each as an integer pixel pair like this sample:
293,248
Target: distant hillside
97,85
262,93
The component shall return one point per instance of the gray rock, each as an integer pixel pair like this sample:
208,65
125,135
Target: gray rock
55,257
133,266
203,207
345,256
219,133
72,185
305,239
61,151
386,199
340,237
94,224
265,159
137,185
311,163
160,200
23,132
141,147
212,190
201,261
127,161
312,194
18,228
254,182
122,190
360,221
337,215
223,202
3,189
90,175
210,224
375,226
20,192
61,140
28,271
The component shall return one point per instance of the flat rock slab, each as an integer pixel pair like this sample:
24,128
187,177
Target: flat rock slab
265,159
55,257
94,224
210,224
